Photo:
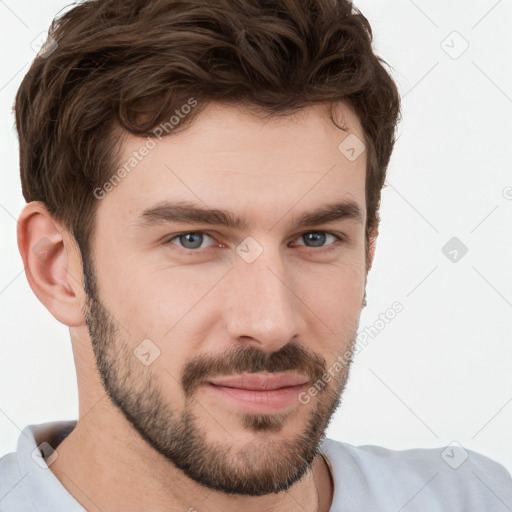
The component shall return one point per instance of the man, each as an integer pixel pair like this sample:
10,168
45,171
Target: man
203,182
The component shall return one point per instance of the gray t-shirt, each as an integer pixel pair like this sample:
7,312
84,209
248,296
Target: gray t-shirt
366,478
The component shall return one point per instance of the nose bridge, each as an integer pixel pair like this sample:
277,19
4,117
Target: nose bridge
261,304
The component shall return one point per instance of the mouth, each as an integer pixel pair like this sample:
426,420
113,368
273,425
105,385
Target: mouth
259,393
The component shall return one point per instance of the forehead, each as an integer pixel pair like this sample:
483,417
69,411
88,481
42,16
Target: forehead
240,160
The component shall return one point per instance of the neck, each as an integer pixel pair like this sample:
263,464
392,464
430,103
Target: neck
107,466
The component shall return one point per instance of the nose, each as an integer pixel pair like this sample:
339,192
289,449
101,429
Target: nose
262,307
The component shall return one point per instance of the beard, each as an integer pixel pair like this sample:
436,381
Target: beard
255,469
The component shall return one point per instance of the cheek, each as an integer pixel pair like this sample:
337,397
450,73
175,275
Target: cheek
336,287
166,306
333,296
148,298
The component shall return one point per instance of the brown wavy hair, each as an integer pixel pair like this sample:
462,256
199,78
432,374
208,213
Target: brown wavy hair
129,64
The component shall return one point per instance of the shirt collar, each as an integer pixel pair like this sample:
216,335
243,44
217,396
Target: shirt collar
45,490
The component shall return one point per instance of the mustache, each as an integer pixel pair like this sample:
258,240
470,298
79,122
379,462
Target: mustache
240,359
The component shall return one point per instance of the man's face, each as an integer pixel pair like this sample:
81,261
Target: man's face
175,314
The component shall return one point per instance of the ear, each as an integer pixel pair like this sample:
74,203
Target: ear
52,263
372,242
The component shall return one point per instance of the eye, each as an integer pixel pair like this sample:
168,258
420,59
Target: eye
191,240
318,239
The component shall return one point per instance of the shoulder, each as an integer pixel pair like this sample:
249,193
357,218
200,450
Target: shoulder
13,495
446,478
26,482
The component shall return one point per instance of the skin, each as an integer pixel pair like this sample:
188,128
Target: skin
205,304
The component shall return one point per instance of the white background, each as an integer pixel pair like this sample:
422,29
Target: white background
441,370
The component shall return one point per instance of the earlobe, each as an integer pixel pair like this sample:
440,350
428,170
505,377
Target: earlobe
49,263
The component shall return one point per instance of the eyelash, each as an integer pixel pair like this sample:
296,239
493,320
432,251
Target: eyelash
339,239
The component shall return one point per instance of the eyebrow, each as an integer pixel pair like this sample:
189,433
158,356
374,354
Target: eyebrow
187,212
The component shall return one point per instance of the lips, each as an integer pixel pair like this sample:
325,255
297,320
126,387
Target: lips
257,393
260,382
